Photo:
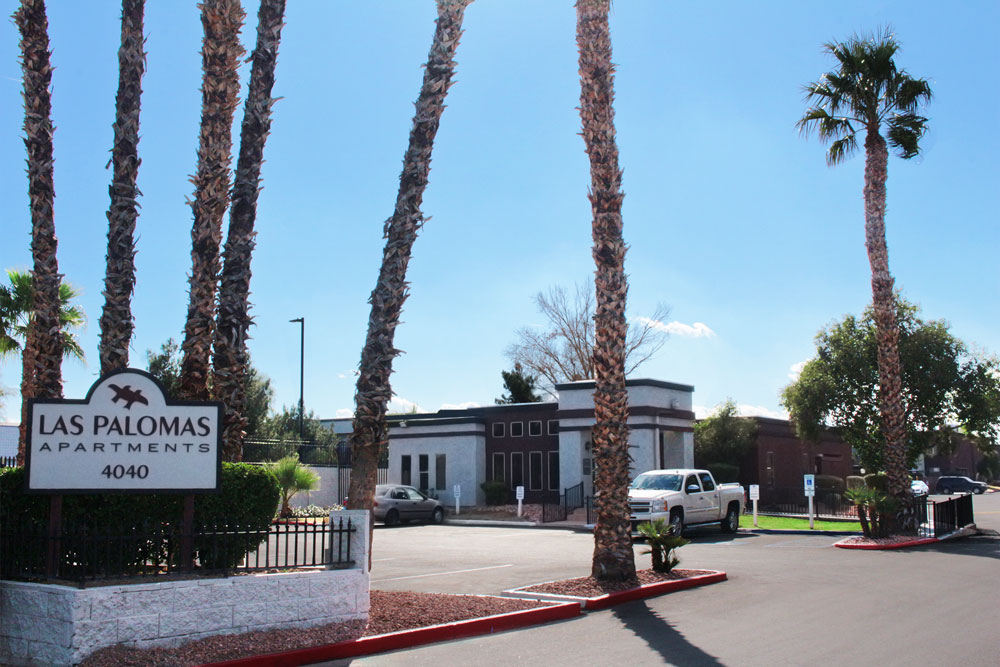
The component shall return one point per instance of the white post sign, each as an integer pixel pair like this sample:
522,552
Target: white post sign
520,498
755,496
810,490
125,436
457,490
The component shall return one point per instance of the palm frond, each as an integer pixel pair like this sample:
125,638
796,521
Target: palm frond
842,149
910,93
905,131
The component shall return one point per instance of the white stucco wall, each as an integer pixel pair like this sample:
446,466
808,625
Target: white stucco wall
465,462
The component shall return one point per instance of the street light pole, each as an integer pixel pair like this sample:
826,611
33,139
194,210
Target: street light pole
302,372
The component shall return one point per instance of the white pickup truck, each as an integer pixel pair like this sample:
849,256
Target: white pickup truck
685,497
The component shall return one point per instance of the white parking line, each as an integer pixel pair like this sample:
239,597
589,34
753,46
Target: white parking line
382,560
438,574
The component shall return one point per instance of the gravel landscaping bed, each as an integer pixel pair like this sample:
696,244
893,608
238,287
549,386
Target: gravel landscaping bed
881,541
588,587
390,612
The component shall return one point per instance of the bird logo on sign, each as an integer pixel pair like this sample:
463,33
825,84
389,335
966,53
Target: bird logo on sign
128,395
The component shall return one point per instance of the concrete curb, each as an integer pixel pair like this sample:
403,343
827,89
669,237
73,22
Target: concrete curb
886,547
491,522
612,599
779,531
409,638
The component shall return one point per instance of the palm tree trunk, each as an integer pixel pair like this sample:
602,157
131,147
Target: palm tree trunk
119,282
231,359
221,52
613,555
44,344
373,392
892,408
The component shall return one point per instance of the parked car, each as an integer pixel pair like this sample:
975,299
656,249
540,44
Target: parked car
918,487
959,484
684,497
396,504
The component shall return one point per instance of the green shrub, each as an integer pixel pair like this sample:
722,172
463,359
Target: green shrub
662,544
878,481
248,497
496,492
855,481
830,483
724,472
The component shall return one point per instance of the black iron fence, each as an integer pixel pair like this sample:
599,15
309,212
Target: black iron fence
791,500
950,515
8,461
84,553
257,450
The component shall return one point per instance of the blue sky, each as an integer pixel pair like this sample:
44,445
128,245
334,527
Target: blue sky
733,220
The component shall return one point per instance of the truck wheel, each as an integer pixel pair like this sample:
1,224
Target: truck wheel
676,524
732,521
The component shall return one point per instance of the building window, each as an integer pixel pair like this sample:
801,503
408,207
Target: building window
516,429
769,468
535,428
404,473
554,470
553,427
516,469
441,483
425,475
498,429
498,468
586,467
535,470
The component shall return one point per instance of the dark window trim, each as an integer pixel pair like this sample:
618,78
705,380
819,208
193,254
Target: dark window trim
551,430
553,453
541,471
518,435
531,424
501,428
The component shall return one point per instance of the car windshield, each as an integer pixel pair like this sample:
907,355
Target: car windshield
658,482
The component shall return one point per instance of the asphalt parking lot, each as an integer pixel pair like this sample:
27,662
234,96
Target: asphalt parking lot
790,599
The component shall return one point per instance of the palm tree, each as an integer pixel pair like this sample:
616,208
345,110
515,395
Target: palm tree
370,435
231,359
613,555
43,351
221,52
119,281
868,92
16,315
292,477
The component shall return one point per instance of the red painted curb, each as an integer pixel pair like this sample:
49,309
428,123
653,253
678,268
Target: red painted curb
883,547
650,590
407,638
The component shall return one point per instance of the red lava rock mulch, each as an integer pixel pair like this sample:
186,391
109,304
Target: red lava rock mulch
588,587
391,611
891,542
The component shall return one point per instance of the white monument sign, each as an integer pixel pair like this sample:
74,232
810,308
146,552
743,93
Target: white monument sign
755,492
125,436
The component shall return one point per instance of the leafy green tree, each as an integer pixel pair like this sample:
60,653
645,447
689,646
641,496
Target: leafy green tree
292,477
724,437
284,426
520,387
869,92
946,387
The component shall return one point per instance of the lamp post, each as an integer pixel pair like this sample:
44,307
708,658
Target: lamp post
302,371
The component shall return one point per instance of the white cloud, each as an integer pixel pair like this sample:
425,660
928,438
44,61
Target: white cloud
459,406
344,412
761,411
342,376
675,328
400,405
700,411
796,369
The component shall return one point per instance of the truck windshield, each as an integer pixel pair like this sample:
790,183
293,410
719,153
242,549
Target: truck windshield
658,482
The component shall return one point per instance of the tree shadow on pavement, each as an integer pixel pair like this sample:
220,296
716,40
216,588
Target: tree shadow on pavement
660,635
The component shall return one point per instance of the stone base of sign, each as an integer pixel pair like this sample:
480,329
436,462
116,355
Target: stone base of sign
49,624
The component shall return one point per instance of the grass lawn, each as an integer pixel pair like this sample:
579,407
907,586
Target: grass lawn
791,523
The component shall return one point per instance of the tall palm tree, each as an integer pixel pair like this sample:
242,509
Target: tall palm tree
868,92
613,555
119,280
16,315
220,53
231,359
373,392
43,345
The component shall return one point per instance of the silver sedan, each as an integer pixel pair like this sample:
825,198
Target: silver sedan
395,504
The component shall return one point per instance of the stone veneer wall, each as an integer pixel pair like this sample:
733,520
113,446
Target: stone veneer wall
47,624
